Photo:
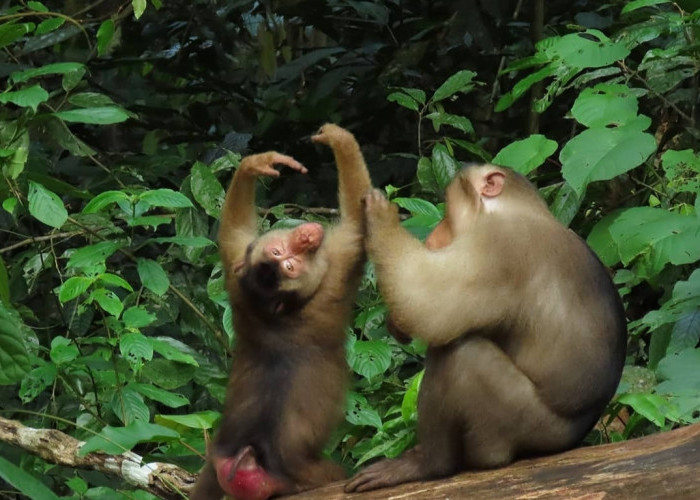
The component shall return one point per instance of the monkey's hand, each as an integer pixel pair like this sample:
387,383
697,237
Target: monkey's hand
262,164
332,135
380,212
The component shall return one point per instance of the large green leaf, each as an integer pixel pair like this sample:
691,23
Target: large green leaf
601,154
61,68
206,189
443,165
418,206
651,406
74,286
170,399
369,358
526,155
137,317
202,420
24,482
173,350
14,358
462,81
46,206
683,170
165,198
679,373
129,407
605,105
153,276
135,347
29,97
359,412
108,301
683,304
11,32
93,255
589,49
116,440
102,115
671,237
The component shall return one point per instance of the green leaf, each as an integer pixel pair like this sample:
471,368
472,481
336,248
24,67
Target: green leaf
135,347
426,176
129,407
74,287
650,406
4,284
90,100
187,241
116,440
105,33
462,81
10,32
169,399
14,358
46,206
526,155
48,69
110,279
459,122
638,4
605,105
679,373
672,238
403,100
173,350
16,165
520,88
153,276
565,205
63,350
601,154
409,404
589,49
137,317
92,255
168,374
139,7
418,206
443,166
29,97
359,412
23,482
48,25
36,381
37,6
207,190
203,420
684,302
102,115
166,198
683,170
369,358
108,301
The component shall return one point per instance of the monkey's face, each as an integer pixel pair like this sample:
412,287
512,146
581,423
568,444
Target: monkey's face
285,263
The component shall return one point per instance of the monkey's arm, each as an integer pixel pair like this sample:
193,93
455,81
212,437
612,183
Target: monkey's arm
353,177
238,220
433,296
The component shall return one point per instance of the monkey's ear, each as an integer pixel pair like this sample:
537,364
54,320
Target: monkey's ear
238,266
493,183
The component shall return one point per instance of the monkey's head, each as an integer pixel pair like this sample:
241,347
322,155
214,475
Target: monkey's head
284,267
480,190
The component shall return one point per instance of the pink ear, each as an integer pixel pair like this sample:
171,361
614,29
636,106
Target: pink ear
493,184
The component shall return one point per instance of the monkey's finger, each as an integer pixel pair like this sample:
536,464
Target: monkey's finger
361,482
287,161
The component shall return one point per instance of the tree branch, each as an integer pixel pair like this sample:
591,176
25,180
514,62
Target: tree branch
166,481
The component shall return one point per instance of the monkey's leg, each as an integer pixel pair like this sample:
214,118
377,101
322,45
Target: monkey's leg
500,410
207,485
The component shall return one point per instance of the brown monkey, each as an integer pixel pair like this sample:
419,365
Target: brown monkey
292,293
525,329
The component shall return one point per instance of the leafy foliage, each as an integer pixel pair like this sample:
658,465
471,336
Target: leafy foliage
120,128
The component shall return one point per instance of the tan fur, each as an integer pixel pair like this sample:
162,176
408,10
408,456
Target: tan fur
526,331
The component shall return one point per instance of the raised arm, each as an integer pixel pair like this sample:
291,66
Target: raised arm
238,219
353,178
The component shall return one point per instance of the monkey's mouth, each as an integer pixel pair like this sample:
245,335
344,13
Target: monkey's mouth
266,275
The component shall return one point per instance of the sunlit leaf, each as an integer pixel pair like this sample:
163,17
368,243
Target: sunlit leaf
165,198
153,276
462,81
102,115
46,206
116,440
29,97
527,154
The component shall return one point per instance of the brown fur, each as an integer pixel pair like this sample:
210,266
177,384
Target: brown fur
287,386
526,332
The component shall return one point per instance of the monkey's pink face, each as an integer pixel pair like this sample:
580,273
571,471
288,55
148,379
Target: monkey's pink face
291,250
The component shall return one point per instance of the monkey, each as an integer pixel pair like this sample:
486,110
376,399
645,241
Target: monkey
292,293
526,332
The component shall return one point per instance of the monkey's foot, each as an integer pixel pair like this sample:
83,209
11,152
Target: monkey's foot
383,474
332,135
262,164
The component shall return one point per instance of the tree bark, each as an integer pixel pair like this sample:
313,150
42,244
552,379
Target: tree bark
664,465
